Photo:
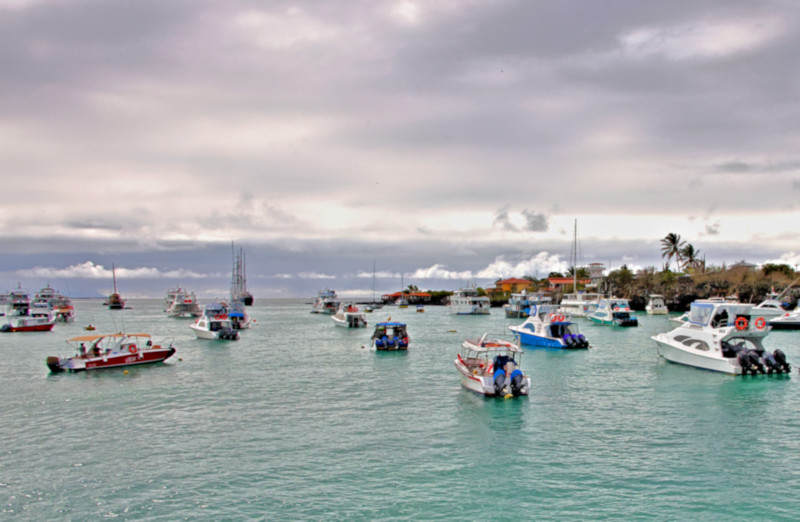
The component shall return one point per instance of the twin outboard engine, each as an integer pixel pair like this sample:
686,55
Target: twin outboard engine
750,362
776,362
229,334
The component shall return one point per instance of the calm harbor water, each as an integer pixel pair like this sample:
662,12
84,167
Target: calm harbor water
301,420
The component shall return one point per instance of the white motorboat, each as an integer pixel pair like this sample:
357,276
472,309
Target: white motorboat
23,316
519,305
787,321
183,303
772,306
349,316
578,304
613,311
214,324
549,328
326,303
490,367
466,301
722,337
656,305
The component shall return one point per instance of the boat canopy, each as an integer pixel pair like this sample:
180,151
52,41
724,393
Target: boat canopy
90,338
390,324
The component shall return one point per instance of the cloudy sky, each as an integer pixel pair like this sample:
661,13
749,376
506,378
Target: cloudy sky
450,141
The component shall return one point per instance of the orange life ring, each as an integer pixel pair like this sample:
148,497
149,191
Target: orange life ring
627,308
741,323
560,318
616,308
132,348
553,317
761,323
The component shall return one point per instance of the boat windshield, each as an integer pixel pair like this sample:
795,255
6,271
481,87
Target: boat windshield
700,313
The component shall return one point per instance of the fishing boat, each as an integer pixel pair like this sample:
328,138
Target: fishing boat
656,305
787,321
183,304
490,367
390,336
613,311
349,316
239,291
111,351
466,301
722,337
548,327
327,302
115,301
214,324
420,308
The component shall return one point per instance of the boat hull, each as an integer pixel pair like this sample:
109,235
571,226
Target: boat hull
698,360
23,327
483,384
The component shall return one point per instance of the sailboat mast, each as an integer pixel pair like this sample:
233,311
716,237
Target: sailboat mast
373,281
575,259
114,276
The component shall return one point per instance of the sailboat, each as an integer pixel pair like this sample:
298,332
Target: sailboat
373,305
402,302
239,291
115,301
576,304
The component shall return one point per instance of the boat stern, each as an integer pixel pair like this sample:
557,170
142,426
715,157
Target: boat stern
54,363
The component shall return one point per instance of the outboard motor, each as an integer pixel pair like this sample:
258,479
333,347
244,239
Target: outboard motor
517,382
771,364
5,328
582,341
499,382
780,358
569,340
750,361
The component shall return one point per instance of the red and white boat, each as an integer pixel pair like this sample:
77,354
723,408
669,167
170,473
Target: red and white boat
111,351
490,367
32,317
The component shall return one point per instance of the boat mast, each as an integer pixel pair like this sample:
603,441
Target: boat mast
574,256
114,276
373,281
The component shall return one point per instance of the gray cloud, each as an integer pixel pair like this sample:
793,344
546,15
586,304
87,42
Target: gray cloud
535,221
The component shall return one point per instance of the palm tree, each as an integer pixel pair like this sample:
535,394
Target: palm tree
691,257
671,246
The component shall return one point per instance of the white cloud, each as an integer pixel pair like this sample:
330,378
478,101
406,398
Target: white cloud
89,270
280,31
314,275
701,40
789,258
541,264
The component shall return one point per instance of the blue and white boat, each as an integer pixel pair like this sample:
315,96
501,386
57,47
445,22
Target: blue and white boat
390,335
548,327
613,311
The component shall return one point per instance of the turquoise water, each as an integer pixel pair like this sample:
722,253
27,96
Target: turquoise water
297,420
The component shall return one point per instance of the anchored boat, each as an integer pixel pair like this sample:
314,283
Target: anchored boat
548,327
215,324
349,316
490,367
390,336
111,351
613,311
722,337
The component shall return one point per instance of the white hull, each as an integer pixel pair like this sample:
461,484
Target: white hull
203,333
695,358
